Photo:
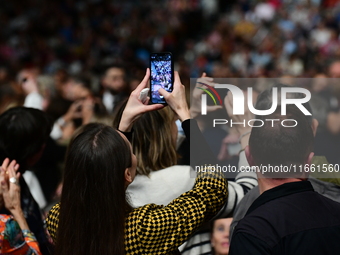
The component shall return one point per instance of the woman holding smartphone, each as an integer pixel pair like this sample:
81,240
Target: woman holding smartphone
94,216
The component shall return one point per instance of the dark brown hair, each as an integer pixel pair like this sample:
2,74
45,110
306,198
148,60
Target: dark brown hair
93,202
276,145
23,132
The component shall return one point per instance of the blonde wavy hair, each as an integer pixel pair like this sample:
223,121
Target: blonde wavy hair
153,141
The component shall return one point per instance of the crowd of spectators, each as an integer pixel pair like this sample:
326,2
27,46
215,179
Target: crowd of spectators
239,38
79,60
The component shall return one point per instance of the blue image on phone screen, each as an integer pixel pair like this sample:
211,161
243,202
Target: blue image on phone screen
161,76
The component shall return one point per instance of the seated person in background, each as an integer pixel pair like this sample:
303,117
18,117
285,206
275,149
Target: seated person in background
23,135
288,217
220,236
15,236
94,216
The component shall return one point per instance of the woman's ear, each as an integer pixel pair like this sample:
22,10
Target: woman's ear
128,176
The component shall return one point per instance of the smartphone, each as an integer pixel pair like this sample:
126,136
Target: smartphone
162,75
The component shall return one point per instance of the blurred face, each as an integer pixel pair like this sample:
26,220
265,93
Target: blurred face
73,90
334,70
220,236
114,79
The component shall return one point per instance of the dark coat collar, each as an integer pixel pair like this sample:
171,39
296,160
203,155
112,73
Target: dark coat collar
282,190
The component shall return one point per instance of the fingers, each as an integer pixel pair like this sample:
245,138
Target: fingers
152,107
177,86
205,79
5,163
223,154
2,174
144,82
12,174
177,83
212,108
228,104
10,170
4,185
76,104
77,115
74,107
2,179
164,93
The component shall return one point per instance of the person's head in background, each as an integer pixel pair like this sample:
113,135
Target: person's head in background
334,72
220,236
9,97
154,139
320,83
30,73
76,87
4,74
334,69
265,101
114,79
60,77
23,135
277,145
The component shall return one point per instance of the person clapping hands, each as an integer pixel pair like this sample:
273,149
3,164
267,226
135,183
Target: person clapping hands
15,236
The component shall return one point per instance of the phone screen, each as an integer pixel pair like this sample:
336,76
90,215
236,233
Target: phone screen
161,66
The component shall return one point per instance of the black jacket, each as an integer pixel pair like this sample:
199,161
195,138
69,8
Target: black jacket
289,219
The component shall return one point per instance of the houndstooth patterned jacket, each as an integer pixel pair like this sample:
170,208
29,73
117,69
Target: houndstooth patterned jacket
157,229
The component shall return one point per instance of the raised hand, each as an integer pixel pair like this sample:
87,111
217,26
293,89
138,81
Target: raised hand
9,182
73,111
134,107
28,82
196,105
176,99
11,191
238,133
228,103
